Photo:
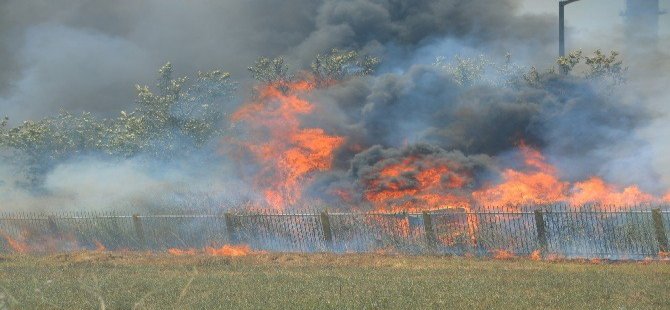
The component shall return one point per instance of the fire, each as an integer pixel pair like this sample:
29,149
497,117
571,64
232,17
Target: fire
417,184
422,182
596,190
666,198
286,153
226,250
99,247
229,250
502,254
539,184
16,245
536,255
180,252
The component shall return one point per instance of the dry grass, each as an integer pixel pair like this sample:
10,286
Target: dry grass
90,280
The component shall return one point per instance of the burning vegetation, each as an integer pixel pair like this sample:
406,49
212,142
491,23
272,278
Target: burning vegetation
376,128
228,250
304,139
286,153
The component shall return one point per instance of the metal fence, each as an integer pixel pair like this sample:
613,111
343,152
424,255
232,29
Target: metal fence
588,232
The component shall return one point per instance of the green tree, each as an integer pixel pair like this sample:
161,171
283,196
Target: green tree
337,65
174,122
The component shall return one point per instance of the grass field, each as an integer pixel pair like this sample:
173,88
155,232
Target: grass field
92,280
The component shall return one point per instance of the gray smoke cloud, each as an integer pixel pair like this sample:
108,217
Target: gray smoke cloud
87,55
584,129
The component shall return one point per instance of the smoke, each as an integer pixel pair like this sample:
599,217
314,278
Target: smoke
584,129
86,55
78,65
83,55
130,185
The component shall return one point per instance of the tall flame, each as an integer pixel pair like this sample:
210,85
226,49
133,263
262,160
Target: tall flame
286,153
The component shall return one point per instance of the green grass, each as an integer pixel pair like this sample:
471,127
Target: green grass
320,281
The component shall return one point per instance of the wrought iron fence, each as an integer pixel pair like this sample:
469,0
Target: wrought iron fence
596,231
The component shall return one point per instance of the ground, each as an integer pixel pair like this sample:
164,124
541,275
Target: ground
90,280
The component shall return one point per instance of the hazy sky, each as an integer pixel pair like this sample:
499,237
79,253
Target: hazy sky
596,23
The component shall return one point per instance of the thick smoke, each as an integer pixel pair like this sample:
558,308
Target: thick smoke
87,55
584,129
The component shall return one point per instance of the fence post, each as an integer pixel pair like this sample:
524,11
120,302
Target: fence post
659,228
541,231
327,230
139,230
52,225
428,229
230,228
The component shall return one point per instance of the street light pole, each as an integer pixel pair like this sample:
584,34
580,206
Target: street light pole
561,25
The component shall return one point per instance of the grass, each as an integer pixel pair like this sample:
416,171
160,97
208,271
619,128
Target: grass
90,280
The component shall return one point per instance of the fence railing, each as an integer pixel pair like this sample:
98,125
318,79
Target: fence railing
634,233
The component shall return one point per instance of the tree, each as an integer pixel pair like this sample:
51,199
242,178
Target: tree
272,71
337,65
466,71
174,122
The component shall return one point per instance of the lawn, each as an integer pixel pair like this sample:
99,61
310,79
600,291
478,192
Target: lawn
94,280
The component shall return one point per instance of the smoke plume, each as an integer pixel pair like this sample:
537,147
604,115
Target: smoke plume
413,127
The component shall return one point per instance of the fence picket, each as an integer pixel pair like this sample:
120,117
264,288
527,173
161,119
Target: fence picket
589,231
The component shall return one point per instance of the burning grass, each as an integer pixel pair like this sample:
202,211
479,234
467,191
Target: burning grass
85,280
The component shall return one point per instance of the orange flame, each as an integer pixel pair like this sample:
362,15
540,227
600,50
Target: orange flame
229,250
536,255
595,190
99,247
180,252
286,153
16,245
541,185
417,184
502,254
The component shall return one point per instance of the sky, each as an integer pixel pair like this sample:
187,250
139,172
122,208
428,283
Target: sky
592,21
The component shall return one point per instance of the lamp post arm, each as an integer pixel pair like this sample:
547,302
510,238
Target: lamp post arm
561,26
